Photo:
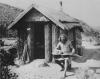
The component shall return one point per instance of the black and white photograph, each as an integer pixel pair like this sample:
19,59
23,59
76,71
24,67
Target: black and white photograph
49,39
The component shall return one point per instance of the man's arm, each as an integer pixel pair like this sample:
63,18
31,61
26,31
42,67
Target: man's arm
73,50
58,46
57,50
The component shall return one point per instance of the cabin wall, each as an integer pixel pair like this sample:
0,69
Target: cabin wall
71,35
78,37
78,41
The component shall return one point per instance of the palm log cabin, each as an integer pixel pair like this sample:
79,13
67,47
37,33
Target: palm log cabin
42,26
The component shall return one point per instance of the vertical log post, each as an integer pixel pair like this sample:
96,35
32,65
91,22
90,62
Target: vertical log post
55,36
48,42
31,41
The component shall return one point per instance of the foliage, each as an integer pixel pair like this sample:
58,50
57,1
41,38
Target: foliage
12,33
7,15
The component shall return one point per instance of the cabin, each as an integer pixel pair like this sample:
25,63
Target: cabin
41,26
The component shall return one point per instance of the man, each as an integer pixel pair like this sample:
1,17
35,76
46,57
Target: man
63,47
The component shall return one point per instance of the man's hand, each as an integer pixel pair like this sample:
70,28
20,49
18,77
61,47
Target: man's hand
73,51
60,52
57,52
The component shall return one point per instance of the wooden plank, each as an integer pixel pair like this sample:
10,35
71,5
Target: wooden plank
55,36
48,42
31,41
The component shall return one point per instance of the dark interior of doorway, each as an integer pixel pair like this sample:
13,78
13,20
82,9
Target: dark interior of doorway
39,40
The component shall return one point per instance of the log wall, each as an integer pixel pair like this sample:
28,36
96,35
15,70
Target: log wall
78,41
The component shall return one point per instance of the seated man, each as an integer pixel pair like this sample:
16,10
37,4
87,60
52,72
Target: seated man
63,47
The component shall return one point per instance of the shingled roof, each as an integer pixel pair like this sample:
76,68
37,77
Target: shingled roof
57,17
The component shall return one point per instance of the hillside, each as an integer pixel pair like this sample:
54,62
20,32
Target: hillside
91,32
8,14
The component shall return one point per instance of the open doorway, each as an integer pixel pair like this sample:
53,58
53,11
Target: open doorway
39,40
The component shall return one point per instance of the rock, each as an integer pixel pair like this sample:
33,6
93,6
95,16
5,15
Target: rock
98,71
44,65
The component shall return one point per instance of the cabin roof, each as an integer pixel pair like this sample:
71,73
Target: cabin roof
57,17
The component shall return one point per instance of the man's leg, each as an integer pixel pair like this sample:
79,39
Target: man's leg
69,63
60,63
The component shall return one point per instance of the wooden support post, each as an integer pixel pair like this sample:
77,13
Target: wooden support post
31,41
48,42
55,36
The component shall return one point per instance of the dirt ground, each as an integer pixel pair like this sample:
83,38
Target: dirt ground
85,67
35,70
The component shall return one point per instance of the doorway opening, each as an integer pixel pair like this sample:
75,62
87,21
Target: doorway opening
39,40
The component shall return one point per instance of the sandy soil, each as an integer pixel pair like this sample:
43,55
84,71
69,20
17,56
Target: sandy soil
89,64
86,66
34,70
